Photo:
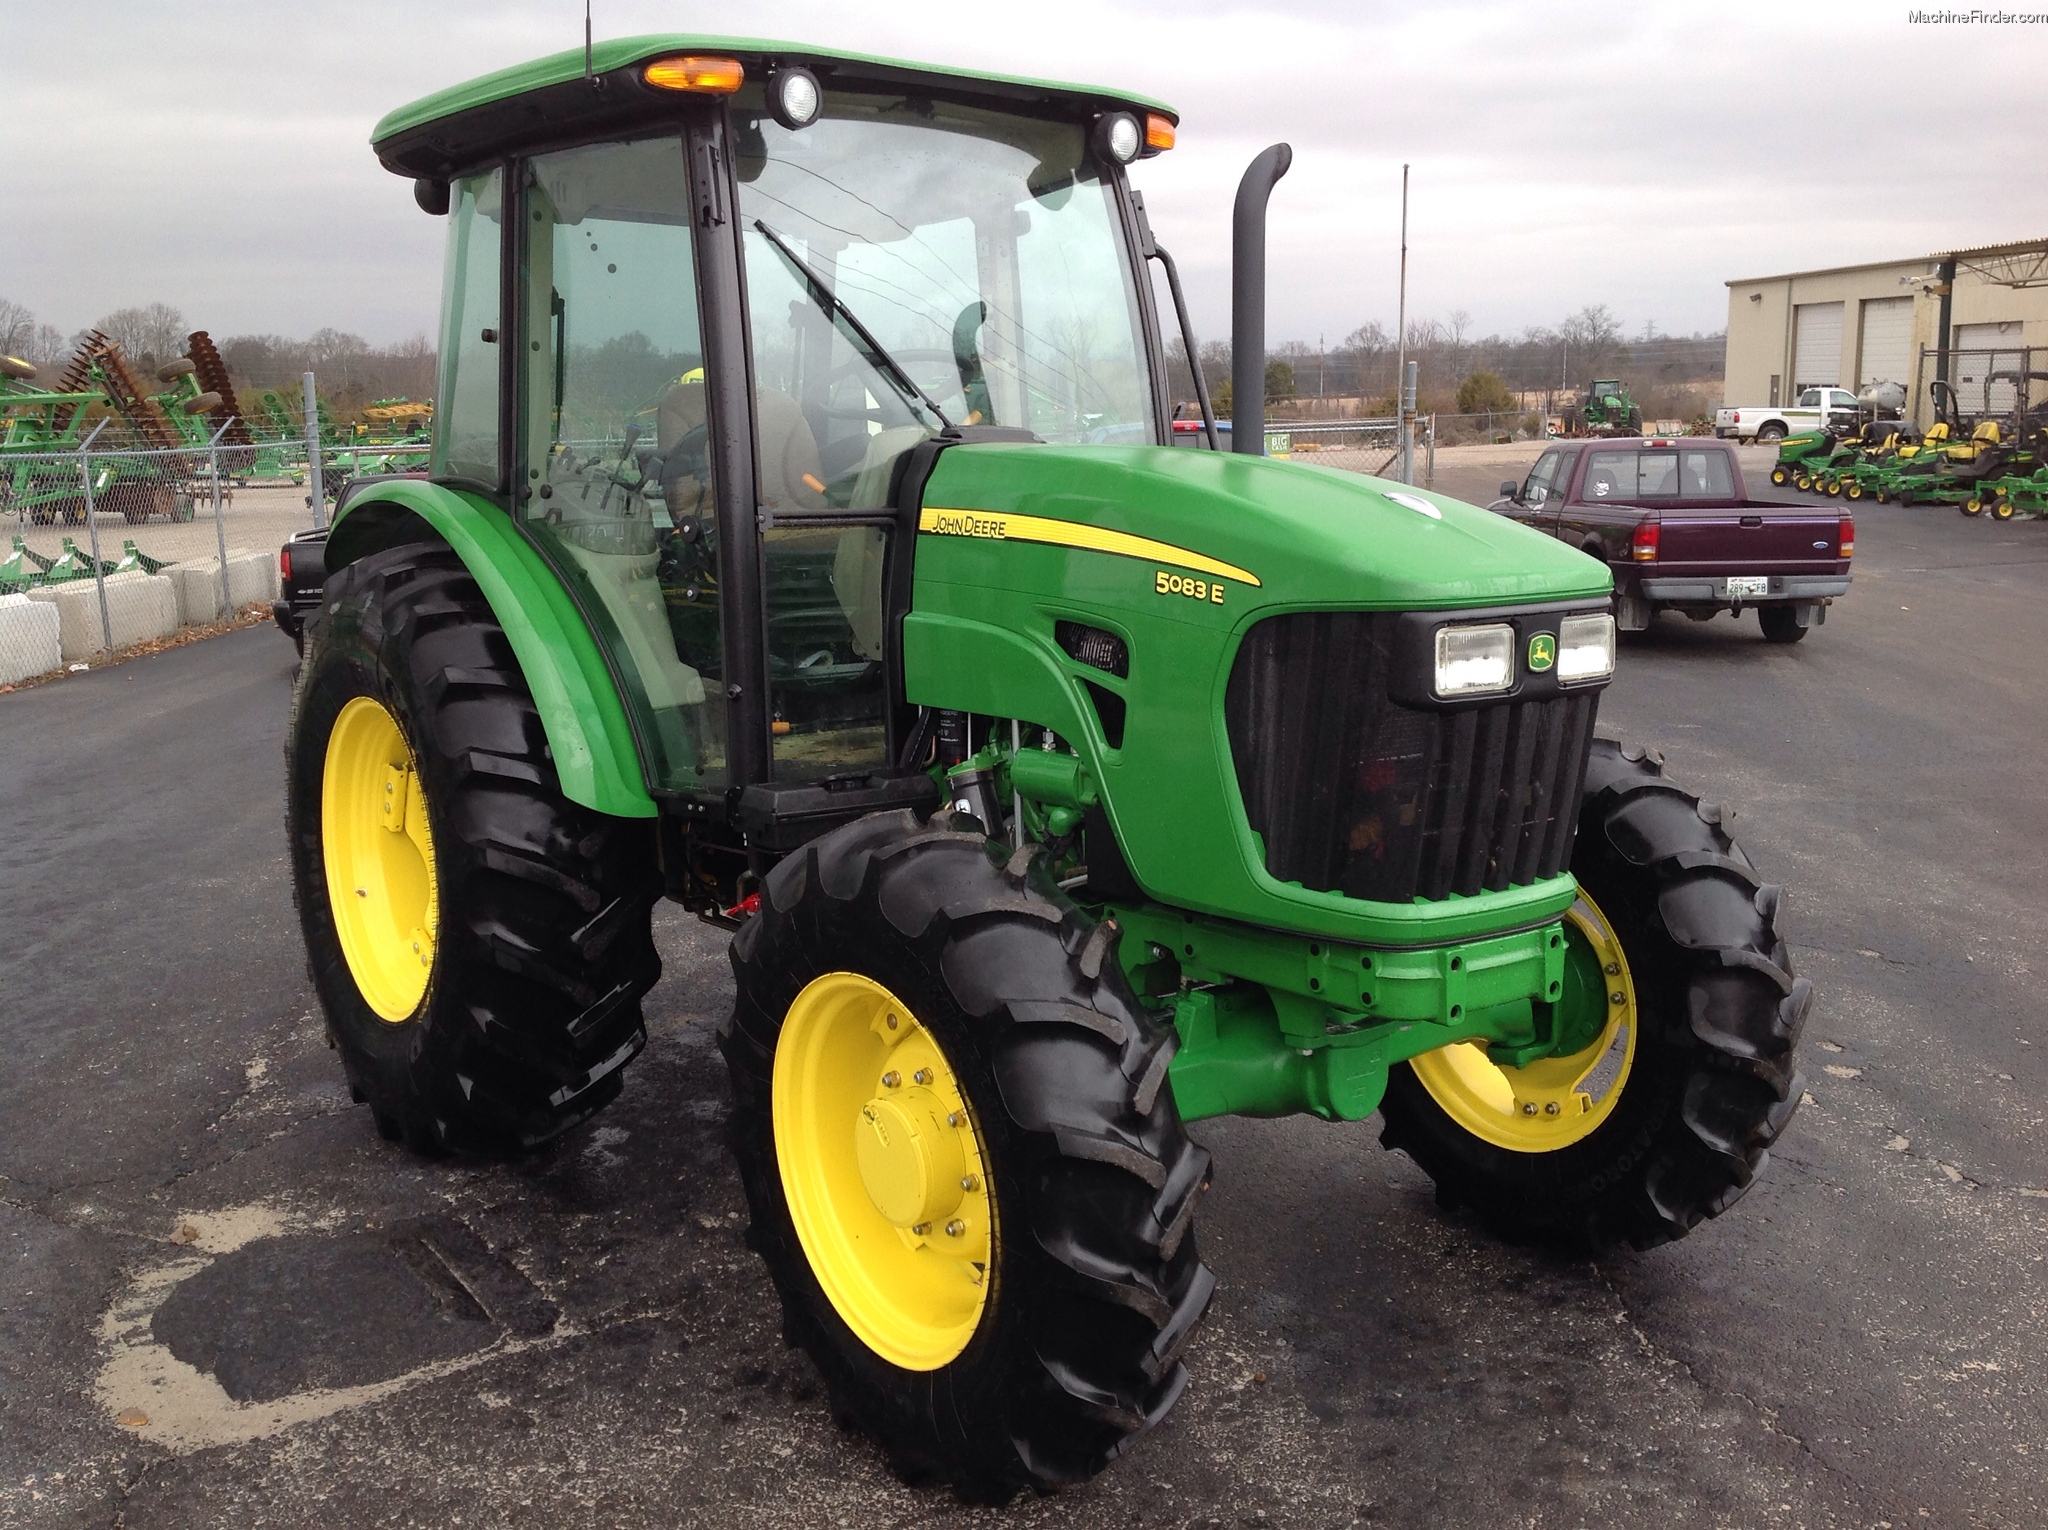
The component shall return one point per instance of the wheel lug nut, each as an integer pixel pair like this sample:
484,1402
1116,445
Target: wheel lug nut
891,1079
1613,969
956,1118
1528,1107
922,1075
1551,1108
1616,997
920,1228
892,1022
969,1182
955,1228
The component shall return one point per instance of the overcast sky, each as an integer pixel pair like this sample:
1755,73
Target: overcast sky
215,155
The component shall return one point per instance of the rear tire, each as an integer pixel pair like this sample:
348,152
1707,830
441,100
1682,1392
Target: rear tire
538,921
1711,1082
1780,624
1093,1283
1770,435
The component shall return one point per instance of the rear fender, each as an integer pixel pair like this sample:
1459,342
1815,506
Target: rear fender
588,734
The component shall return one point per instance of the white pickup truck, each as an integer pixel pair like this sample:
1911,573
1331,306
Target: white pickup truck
1816,407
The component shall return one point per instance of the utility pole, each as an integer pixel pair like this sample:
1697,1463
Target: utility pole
1401,340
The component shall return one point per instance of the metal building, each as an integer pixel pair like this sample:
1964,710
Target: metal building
1975,318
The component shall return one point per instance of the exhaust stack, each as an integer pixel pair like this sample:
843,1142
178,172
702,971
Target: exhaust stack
1248,300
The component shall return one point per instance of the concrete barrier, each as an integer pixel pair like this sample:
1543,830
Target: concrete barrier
29,640
252,576
199,591
140,607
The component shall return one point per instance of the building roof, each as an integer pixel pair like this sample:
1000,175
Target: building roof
2028,257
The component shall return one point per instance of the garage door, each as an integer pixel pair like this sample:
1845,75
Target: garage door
1887,349
1982,349
1816,346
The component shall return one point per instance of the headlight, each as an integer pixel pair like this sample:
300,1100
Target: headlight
1471,661
1585,647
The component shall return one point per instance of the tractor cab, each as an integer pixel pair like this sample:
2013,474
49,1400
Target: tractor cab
742,294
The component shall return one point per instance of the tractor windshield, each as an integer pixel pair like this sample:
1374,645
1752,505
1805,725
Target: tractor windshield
912,263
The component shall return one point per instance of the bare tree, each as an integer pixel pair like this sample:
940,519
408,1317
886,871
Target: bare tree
17,328
22,335
151,334
1593,334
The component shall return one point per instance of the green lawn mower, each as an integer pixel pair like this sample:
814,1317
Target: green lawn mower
1799,454
804,541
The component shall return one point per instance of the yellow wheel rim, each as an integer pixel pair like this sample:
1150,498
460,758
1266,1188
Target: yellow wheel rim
1554,1101
883,1171
379,851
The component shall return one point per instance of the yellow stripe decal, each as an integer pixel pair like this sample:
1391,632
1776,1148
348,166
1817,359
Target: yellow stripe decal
1002,527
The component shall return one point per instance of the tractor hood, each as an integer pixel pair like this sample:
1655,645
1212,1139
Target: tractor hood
1272,533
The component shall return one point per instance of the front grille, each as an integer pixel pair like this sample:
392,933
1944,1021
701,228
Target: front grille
1354,793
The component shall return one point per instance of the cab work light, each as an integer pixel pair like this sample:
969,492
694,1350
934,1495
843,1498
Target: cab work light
705,76
1117,136
1474,661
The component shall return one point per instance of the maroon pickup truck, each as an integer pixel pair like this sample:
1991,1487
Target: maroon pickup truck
1673,520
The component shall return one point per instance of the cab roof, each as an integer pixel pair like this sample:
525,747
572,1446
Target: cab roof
548,100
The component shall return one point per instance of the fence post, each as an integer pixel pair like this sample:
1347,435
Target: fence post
220,535
319,499
92,531
1406,411
1429,472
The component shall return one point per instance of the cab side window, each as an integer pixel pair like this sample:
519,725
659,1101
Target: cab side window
466,415
614,443
1545,479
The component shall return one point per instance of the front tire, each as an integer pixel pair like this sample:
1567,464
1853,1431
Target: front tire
1703,1002
479,942
911,981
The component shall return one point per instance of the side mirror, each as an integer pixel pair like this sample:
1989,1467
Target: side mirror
431,195
1509,489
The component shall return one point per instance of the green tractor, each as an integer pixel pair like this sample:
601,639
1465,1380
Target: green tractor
804,541
1606,410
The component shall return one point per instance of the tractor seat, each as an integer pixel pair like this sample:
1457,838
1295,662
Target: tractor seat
789,468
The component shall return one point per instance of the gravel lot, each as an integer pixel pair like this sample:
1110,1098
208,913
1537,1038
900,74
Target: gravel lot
227,1301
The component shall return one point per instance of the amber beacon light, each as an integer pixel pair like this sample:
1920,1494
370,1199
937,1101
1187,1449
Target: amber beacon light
705,76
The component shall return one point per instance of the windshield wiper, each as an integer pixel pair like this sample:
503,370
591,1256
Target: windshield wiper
855,331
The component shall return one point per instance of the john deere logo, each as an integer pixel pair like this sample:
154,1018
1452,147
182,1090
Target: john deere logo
1542,651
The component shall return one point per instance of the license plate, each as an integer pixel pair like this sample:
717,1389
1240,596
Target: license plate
1749,584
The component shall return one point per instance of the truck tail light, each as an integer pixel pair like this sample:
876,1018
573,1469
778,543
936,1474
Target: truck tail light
1848,536
1643,545
284,562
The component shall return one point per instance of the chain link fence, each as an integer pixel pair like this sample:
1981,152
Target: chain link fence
116,544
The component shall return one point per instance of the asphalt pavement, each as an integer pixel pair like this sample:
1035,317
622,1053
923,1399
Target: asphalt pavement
227,1301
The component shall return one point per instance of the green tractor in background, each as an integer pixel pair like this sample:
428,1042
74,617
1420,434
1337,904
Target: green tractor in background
804,541
1606,410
